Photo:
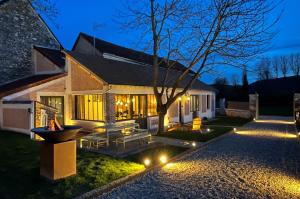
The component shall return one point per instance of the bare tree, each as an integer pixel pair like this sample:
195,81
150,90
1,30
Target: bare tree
199,34
264,69
284,65
276,65
47,8
294,63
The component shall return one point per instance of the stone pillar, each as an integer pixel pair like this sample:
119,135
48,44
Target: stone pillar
297,107
253,105
110,108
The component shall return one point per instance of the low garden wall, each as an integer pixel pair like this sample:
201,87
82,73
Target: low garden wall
237,113
238,105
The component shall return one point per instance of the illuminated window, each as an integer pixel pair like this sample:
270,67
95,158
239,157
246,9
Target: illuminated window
151,108
122,107
194,101
139,108
89,107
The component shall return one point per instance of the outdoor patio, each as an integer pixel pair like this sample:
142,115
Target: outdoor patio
117,140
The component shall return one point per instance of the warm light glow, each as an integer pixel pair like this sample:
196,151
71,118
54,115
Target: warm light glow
194,144
275,121
208,129
188,98
273,134
163,159
149,114
234,129
254,119
179,98
147,162
169,165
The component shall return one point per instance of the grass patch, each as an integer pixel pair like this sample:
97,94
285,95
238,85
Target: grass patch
20,178
197,136
228,121
154,153
276,110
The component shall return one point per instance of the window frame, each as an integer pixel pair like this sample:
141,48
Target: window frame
88,109
197,103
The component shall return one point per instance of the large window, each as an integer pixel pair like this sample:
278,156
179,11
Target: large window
122,107
151,100
194,103
139,108
89,107
134,106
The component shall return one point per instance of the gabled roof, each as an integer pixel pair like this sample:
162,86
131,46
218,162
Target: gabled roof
27,82
138,56
124,73
55,56
284,85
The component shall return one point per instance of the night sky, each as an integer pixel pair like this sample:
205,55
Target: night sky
79,16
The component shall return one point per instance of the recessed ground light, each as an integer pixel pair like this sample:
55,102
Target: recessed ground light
194,144
147,162
163,159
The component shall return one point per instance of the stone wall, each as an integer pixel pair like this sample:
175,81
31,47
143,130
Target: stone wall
238,113
238,105
21,28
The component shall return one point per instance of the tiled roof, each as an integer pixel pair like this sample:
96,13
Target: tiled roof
27,82
55,56
124,73
138,56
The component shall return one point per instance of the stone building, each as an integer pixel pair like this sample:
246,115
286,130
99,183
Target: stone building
21,28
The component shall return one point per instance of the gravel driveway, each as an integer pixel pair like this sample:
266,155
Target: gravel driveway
259,161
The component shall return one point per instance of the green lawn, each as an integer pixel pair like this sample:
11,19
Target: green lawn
228,121
197,136
276,110
19,171
154,153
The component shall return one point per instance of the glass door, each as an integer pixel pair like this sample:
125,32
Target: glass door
55,102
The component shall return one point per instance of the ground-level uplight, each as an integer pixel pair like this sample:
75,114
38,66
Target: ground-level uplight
194,144
147,162
254,119
163,159
234,129
208,129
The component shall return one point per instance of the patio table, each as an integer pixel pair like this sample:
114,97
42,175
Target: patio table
116,127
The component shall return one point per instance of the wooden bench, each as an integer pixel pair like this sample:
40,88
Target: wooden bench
143,134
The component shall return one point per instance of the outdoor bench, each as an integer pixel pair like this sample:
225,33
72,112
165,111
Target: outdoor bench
133,137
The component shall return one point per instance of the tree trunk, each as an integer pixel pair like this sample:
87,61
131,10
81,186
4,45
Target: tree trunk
161,121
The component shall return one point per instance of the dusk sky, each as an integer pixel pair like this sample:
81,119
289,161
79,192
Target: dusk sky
79,16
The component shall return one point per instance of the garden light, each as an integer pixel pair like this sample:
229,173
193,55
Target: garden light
163,159
147,162
208,129
234,129
194,144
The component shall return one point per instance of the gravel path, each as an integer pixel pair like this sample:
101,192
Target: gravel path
260,161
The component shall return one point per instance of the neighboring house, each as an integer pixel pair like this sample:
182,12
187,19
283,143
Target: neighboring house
21,28
91,86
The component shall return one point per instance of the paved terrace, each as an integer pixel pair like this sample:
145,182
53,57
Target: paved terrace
259,161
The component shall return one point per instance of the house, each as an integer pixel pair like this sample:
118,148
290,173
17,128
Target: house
95,83
21,28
